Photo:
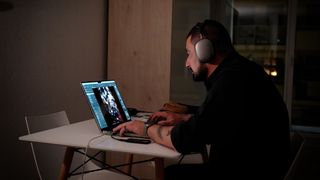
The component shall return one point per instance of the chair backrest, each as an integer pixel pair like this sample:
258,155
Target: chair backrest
297,143
47,121
47,157
306,162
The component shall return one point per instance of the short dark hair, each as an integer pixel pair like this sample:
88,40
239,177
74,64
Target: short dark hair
215,32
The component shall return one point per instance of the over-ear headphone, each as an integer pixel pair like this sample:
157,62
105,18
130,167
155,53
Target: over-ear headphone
204,48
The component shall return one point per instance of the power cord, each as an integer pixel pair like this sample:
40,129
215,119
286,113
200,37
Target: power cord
85,154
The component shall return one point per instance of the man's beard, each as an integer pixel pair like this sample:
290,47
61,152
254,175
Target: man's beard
201,75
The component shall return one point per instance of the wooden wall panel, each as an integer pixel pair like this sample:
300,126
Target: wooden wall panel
139,50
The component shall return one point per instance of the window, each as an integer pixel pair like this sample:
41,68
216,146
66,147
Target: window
284,38
280,35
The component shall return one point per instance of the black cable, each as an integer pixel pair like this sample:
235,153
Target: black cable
130,139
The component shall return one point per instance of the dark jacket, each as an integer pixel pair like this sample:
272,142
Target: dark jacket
244,119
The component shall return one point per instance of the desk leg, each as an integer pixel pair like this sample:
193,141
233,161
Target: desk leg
159,168
65,166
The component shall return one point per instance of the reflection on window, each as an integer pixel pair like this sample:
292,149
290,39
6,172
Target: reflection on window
260,35
306,94
260,29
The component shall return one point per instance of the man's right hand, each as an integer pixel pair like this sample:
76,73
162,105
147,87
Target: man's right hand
167,118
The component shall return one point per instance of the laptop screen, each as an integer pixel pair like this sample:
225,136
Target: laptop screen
106,104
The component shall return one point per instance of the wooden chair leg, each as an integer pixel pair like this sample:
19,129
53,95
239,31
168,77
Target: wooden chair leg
159,168
128,159
65,167
204,154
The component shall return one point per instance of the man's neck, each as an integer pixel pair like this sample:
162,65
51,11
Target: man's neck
213,66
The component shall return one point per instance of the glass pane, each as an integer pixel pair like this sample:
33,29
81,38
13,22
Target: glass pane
306,90
259,33
182,88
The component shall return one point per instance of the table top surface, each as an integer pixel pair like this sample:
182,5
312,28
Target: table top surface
86,134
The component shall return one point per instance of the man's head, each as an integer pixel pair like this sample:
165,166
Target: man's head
207,44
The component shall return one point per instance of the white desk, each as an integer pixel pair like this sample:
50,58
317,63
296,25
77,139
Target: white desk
78,135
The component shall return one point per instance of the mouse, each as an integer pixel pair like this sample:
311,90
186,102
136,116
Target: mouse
132,111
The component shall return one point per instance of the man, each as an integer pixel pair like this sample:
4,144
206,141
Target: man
243,116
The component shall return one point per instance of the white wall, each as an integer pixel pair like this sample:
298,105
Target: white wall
46,49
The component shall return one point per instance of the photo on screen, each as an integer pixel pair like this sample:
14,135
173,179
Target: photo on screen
109,105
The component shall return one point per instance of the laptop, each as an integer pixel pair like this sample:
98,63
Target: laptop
107,105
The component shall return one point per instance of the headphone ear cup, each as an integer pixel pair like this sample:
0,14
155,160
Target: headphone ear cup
204,50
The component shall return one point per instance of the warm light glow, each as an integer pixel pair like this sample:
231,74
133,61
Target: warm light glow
274,73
